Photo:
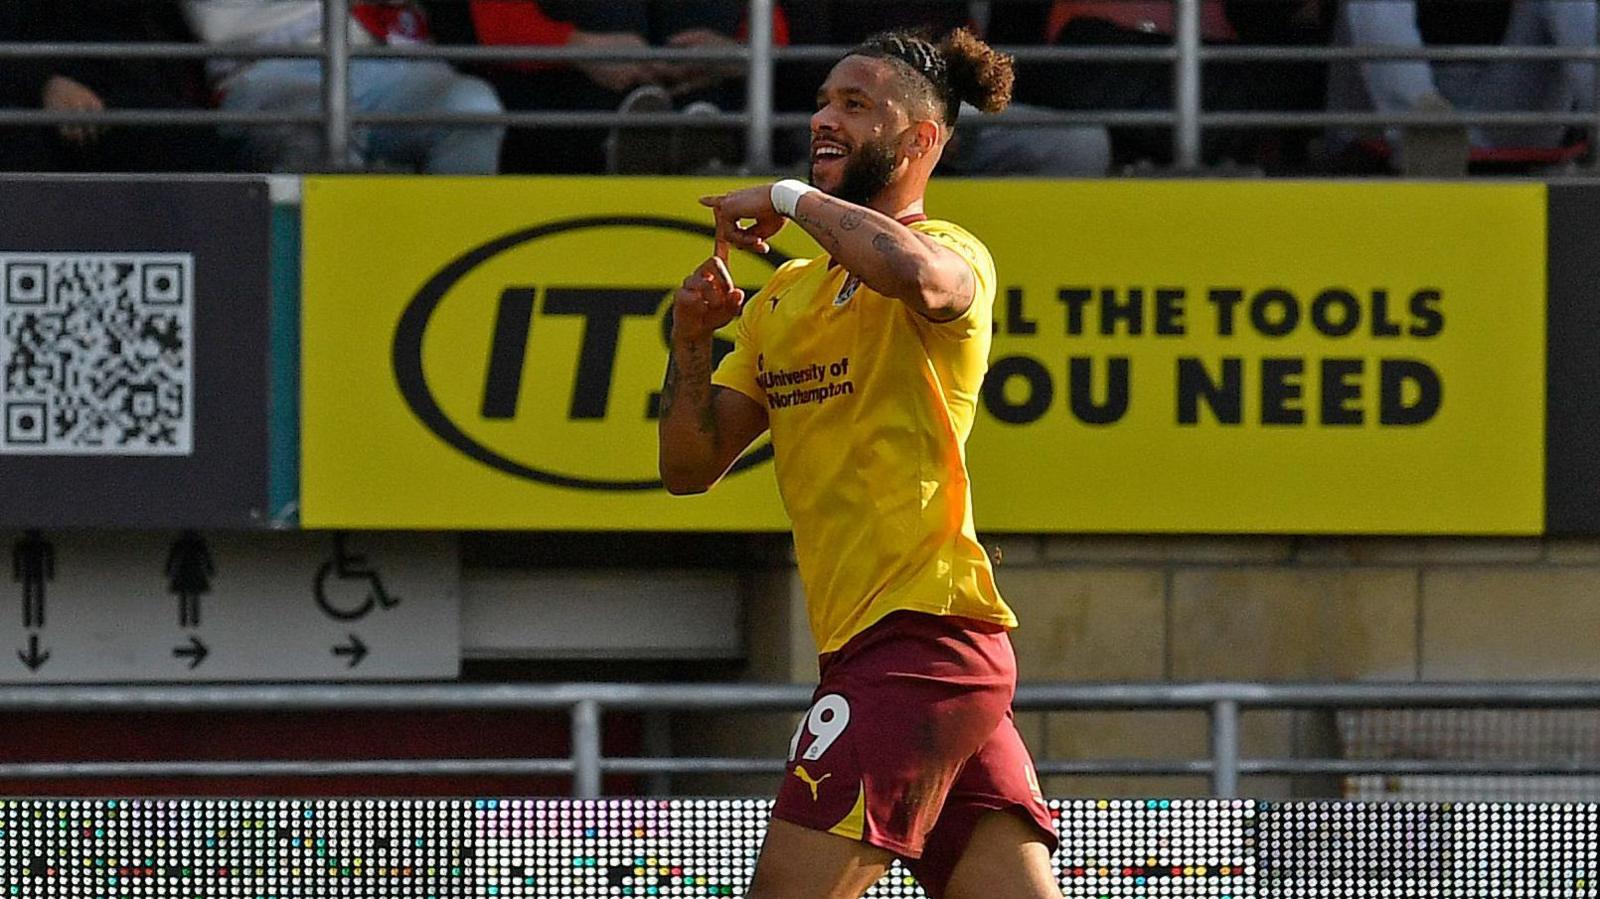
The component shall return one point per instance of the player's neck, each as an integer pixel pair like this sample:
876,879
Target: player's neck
898,204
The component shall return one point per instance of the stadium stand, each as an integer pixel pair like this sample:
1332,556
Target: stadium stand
630,86
1279,93
394,86
1226,86
1501,85
68,84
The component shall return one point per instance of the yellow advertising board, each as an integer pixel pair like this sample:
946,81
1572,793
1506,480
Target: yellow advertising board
1264,357
1170,356
485,353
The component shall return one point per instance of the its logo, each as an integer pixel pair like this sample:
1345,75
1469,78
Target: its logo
533,353
805,777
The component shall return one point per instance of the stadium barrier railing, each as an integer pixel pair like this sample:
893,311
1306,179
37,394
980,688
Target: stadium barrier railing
759,119
1223,702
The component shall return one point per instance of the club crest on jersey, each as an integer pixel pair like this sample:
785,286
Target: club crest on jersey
847,290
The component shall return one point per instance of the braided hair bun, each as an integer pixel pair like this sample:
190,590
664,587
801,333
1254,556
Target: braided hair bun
979,74
959,68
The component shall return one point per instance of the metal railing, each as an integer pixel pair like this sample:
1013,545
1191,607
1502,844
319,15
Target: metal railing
1223,702
760,57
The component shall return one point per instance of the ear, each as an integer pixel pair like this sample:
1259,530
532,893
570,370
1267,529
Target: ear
925,138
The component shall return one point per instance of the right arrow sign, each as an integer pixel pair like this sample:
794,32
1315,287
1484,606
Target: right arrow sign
195,651
355,649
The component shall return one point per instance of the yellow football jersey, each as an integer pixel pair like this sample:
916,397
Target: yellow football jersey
870,405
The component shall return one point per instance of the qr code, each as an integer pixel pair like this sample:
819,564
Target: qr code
97,350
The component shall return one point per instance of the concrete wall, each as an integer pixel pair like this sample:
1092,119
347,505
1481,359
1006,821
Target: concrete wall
1241,608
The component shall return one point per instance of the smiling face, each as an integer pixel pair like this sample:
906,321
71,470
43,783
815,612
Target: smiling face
861,129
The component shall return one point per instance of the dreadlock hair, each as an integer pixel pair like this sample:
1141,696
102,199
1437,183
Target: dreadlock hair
958,68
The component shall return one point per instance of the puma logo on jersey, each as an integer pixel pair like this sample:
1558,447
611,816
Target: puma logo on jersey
805,777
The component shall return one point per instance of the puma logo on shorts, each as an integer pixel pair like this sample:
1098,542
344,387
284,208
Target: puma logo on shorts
805,776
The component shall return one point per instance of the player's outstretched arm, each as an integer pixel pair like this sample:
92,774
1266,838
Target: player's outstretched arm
703,427
888,257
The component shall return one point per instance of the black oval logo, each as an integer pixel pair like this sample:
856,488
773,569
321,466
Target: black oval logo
413,325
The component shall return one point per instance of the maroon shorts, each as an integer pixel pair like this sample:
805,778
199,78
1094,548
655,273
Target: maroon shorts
910,740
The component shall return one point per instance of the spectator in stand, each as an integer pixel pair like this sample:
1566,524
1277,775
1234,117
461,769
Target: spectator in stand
1149,86
376,86
980,146
82,85
1401,86
627,86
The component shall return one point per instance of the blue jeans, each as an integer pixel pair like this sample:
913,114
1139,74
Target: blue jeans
1473,85
376,85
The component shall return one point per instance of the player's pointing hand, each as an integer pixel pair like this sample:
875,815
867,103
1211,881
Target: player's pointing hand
707,299
752,204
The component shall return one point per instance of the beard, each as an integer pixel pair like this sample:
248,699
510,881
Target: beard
866,173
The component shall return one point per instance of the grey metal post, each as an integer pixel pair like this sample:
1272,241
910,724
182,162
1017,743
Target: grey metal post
1186,84
336,82
586,749
1225,748
658,744
758,89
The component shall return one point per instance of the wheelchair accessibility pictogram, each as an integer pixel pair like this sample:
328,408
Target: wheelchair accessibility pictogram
347,566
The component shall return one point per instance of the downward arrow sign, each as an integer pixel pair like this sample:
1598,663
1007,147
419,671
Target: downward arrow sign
33,658
355,649
196,651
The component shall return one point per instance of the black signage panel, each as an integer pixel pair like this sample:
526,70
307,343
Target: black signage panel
134,352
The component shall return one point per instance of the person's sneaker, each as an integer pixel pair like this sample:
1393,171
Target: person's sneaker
1434,151
641,149
704,149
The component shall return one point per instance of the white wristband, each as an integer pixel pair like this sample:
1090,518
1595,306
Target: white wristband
786,193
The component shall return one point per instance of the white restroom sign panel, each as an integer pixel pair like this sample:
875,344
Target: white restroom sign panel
188,606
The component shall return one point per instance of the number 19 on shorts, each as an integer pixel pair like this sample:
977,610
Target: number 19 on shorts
825,721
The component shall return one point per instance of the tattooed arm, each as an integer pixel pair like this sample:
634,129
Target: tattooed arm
888,257
703,427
